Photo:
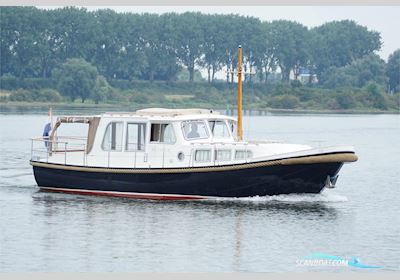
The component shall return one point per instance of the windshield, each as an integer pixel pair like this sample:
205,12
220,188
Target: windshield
193,130
219,129
233,128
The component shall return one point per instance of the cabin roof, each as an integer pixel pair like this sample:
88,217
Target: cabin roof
174,112
152,114
169,114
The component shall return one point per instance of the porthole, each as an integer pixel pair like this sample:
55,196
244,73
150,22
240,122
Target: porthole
181,156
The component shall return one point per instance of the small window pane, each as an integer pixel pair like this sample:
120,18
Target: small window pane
219,129
223,155
193,130
113,137
233,128
167,133
135,137
203,155
243,154
155,132
162,133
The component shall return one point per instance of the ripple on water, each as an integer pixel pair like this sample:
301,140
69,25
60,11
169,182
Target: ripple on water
61,232
293,198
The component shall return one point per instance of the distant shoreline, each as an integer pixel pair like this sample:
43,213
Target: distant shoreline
40,106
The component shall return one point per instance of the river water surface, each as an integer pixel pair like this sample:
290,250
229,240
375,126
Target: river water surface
70,233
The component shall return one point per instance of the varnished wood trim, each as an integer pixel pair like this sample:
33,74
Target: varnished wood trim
337,157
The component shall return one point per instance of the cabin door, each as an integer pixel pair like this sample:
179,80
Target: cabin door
135,144
161,150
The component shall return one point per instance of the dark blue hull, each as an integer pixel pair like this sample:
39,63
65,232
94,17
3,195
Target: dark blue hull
207,182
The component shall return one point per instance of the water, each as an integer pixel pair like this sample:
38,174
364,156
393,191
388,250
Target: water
59,232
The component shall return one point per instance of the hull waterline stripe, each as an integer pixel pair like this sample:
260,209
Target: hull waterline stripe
126,194
329,158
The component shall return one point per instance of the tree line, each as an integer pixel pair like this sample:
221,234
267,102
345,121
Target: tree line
129,46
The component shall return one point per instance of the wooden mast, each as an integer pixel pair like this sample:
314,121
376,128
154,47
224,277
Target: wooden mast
239,105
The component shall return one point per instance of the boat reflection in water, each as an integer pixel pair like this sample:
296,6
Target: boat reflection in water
242,226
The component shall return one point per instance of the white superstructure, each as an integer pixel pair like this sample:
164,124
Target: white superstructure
163,138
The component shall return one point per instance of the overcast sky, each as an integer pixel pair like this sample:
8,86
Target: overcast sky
384,19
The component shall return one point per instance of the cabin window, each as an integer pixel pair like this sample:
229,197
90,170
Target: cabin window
243,154
193,130
223,155
233,128
135,136
219,129
162,133
202,155
113,137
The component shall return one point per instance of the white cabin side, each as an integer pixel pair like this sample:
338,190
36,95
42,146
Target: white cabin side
162,138
143,141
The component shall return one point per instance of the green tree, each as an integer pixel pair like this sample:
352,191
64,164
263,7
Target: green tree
345,100
370,68
375,96
214,34
77,79
339,43
8,21
284,101
78,32
47,44
119,53
252,39
335,77
266,60
102,90
19,27
108,53
188,38
132,58
161,63
290,40
393,71
232,39
131,46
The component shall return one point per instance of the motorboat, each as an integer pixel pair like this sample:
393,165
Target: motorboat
160,153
